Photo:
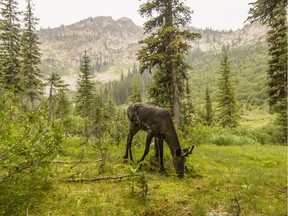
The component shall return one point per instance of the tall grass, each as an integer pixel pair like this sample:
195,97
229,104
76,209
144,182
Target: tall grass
242,135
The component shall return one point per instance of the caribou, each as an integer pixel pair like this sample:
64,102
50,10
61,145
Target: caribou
157,122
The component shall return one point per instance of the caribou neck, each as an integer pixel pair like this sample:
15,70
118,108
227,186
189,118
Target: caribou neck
173,142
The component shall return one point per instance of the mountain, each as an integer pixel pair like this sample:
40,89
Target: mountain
214,40
108,42
112,45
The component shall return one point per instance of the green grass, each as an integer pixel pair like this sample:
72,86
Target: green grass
256,119
231,172
246,180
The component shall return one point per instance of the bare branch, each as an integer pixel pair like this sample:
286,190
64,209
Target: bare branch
99,178
71,162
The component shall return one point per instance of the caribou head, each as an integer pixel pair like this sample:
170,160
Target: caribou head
179,160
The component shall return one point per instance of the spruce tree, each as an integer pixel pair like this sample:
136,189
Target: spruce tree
9,44
56,85
135,95
63,106
187,111
227,110
165,48
85,92
273,13
30,73
208,107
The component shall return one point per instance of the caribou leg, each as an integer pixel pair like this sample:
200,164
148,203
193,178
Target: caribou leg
147,146
156,149
133,129
160,150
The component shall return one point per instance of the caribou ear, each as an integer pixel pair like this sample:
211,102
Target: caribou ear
187,151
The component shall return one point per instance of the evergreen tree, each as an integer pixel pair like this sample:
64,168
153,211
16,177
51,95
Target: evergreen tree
208,107
165,48
85,91
56,85
188,112
63,106
97,116
9,44
273,13
30,58
277,72
135,94
226,99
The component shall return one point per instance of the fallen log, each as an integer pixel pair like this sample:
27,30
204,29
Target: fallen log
100,178
71,162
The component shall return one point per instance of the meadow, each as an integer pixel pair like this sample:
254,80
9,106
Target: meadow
236,171
229,173
222,180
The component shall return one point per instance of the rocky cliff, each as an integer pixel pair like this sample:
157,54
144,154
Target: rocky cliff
112,45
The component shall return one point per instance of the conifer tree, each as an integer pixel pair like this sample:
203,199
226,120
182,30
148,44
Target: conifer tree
63,107
208,107
227,110
165,48
30,73
85,91
187,112
135,94
277,72
274,14
56,85
9,44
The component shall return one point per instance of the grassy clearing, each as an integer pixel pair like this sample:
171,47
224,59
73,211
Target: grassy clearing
256,119
231,180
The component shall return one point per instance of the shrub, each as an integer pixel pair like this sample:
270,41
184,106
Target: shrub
28,143
198,134
74,125
231,139
269,134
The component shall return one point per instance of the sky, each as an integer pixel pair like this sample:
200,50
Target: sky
215,14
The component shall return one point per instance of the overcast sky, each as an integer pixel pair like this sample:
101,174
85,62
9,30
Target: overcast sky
216,14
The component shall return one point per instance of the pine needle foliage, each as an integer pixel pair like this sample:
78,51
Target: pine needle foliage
227,109
56,86
273,13
85,97
165,49
30,73
208,107
9,44
85,87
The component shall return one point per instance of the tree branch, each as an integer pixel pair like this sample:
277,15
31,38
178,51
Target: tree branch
71,162
100,178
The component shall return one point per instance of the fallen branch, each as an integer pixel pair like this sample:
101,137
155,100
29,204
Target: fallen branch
70,162
99,178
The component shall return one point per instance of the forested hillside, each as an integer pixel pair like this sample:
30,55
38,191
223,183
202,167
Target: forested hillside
249,66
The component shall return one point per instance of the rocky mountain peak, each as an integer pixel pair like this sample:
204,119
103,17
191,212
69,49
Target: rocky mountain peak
112,44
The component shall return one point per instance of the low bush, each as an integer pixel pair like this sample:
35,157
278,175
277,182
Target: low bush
242,135
231,139
28,144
